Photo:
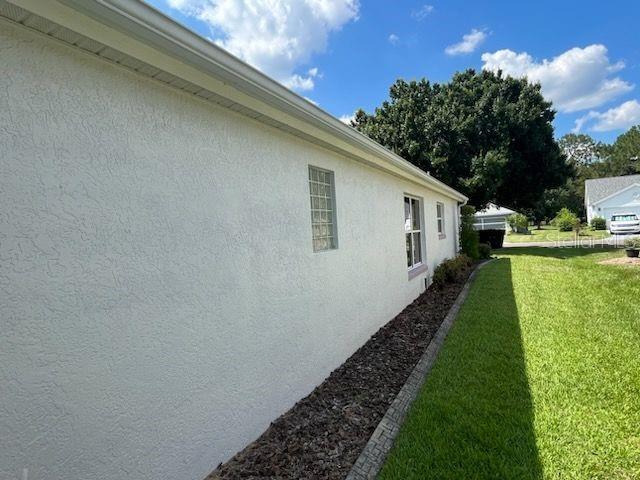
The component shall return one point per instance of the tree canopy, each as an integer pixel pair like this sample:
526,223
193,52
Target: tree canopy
487,135
589,159
580,149
623,157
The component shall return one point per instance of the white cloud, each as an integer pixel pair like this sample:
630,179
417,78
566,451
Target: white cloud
469,43
423,12
348,118
577,79
394,39
179,4
275,36
621,117
299,82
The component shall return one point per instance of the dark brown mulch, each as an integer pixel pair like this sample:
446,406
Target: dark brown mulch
323,434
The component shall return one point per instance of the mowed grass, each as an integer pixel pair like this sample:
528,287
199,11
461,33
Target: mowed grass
552,234
539,377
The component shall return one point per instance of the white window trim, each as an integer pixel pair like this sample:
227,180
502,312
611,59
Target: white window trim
440,220
416,268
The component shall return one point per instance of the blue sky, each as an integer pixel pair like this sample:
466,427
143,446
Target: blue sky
344,54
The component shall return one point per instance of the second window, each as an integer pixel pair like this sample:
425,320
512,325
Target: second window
440,217
413,231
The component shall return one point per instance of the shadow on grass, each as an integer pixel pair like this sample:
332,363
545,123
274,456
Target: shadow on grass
474,415
554,252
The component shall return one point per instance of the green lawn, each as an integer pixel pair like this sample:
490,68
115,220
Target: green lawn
539,377
552,234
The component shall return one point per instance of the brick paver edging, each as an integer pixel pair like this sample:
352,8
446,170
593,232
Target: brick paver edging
377,448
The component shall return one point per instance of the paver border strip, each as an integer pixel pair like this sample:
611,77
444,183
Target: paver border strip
375,452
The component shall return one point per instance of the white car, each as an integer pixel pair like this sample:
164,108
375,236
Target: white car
624,223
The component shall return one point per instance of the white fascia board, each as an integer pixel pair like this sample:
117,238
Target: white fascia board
502,213
495,211
139,30
615,194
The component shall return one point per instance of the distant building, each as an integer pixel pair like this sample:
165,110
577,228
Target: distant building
604,197
493,217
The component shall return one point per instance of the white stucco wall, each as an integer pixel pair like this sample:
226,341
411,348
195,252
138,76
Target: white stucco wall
161,302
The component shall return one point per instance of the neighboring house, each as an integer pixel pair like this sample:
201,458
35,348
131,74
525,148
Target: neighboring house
187,247
604,197
492,217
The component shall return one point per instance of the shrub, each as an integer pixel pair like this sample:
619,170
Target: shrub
468,235
633,243
484,249
464,260
518,222
598,223
566,220
452,270
494,238
441,274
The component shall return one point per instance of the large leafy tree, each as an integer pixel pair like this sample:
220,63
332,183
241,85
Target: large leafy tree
579,148
585,158
487,135
624,155
589,159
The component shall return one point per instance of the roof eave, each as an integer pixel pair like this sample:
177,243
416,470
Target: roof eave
146,25
616,193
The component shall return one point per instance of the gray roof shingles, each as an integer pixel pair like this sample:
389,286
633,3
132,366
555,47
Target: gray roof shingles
599,188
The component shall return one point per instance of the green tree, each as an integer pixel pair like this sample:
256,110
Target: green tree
570,195
518,222
587,159
580,149
624,156
487,135
469,237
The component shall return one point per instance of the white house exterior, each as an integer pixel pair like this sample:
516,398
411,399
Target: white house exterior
493,217
162,301
605,197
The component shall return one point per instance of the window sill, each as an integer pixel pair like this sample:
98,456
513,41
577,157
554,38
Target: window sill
326,250
441,236
415,271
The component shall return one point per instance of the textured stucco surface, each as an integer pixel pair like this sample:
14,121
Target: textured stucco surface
160,299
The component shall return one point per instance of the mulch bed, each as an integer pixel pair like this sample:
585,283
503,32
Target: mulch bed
323,434
633,261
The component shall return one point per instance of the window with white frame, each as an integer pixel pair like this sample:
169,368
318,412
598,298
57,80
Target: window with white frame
440,217
323,209
413,231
